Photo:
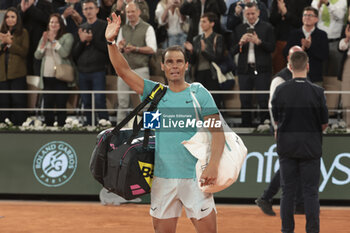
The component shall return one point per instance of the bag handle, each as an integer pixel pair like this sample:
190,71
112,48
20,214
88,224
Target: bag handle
154,97
149,98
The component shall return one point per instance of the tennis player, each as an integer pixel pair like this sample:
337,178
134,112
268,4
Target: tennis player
175,183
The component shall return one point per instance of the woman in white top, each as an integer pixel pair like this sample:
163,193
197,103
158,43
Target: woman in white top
168,13
53,49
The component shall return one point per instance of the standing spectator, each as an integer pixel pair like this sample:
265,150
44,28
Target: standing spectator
14,42
196,8
152,5
119,9
54,48
299,141
285,16
254,42
105,9
35,15
235,13
331,21
168,13
90,54
313,41
72,15
207,47
137,41
344,74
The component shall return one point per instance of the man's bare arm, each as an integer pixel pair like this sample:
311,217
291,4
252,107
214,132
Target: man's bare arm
119,63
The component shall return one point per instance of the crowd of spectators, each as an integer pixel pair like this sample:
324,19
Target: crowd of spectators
36,35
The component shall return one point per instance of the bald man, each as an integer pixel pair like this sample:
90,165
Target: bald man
137,41
281,77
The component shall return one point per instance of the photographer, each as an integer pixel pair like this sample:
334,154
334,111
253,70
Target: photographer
90,54
235,13
254,42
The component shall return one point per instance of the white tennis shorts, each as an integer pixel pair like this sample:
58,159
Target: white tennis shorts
169,195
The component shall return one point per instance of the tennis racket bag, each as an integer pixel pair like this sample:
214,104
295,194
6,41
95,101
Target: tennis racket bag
122,160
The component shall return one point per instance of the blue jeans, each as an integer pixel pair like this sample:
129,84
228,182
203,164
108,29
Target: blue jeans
93,81
178,39
309,172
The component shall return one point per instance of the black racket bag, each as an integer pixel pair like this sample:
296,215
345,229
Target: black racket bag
123,159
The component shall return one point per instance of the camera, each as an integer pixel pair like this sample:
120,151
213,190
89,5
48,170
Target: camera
86,28
250,30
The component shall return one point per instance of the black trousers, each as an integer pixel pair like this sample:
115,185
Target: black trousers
309,172
13,100
55,101
274,187
259,82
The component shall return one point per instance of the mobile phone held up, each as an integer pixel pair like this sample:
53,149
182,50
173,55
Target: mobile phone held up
250,30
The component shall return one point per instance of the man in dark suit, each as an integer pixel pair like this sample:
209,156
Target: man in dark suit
254,42
299,141
313,41
194,9
35,17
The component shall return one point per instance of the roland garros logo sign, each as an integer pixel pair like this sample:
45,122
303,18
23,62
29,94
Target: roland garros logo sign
55,163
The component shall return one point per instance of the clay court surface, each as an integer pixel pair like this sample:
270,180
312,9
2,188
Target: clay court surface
92,217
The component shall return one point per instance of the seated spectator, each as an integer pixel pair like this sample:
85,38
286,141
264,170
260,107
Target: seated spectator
14,42
168,15
207,47
119,9
235,13
105,9
54,48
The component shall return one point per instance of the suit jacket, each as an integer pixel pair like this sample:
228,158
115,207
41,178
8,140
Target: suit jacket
318,51
193,10
263,51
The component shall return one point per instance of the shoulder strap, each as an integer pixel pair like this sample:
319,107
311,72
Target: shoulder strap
159,89
214,42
